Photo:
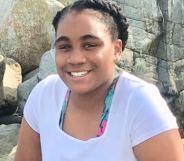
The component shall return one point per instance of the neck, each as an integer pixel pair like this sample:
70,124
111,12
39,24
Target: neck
90,101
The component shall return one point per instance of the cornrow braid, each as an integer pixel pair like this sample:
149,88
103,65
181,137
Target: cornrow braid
111,13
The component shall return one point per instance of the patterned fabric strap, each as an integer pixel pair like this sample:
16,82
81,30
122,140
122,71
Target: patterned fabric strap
106,108
107,105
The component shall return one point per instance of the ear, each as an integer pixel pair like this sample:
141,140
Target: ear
118,46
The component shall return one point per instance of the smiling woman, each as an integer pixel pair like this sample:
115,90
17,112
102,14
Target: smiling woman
83,53
86,113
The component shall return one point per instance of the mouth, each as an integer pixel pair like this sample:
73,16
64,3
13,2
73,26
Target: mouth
79,73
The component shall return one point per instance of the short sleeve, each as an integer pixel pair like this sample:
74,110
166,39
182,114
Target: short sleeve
31,109
150,115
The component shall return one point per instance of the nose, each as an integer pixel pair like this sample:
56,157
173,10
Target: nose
76,57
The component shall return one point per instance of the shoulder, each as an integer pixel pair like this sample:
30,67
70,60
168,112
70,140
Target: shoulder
140,94
131,87
146,110
132,80
50,82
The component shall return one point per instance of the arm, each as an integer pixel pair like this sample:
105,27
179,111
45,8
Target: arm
28,148
166,146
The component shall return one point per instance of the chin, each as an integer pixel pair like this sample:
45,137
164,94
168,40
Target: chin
80,91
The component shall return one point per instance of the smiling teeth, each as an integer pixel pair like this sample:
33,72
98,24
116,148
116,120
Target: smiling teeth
79,74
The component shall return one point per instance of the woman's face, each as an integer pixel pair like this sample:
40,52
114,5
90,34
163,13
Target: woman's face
85,52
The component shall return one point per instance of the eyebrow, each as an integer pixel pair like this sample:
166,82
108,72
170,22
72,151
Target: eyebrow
61,38
83,38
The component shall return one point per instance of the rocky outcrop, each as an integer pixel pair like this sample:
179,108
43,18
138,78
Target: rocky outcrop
66,2
46,67
12,78
25,30
2,69
156,47
8,139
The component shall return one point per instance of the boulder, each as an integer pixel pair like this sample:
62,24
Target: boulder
23,91
145,67
179,102
8,139
26,31
30,74
156,39
126,60
167,77
179,74
12,79
11,155
47,64
2,69
46,67
171,48
65,2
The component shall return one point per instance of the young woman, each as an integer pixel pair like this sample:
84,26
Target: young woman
85,113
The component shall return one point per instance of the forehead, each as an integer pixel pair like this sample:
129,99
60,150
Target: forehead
75,24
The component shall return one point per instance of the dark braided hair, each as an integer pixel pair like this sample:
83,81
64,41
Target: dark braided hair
110,14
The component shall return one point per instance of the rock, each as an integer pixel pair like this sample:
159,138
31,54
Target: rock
179,110
24,90
2,69
141,41
171,48
46,67
156,39
166,77
179,72
144,18
126,60
11,155
179,102
30,74
12,78
8,139
25,30
54,6
145,67
10,119
66,2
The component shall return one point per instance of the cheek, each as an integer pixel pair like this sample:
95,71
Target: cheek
59,60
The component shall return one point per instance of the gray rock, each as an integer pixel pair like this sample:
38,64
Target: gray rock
30,74
156,38
23,91
8,139
2,69
179,72
126,60
25,33
166,77
145,67
46,67
180,101
11,155
175,11
65,2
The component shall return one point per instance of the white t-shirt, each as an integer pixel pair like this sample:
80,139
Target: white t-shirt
137,113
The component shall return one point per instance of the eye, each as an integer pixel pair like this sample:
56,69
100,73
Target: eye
64,47
90,45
